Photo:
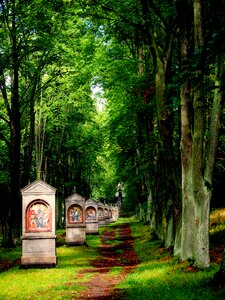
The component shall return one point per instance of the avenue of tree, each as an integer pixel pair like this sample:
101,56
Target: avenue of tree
99,92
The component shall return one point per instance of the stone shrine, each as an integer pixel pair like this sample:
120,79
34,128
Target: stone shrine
75,220
115,213
111,214
91,216
38,225
101,214
107,217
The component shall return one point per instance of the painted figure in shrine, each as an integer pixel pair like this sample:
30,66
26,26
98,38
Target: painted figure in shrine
38,216
91,213
75,214
100,212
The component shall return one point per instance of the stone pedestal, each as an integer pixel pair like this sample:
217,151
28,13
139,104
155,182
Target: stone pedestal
111,214
107,217
38,225
75,220
115,213
91,216
101,214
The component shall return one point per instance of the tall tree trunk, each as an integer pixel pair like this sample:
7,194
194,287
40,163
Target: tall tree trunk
29,137
28,145
40,128
169,190
185,247
200,190
197,159
215,118
14,215
169,172
214,131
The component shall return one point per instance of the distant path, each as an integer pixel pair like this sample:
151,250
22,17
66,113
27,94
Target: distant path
121,254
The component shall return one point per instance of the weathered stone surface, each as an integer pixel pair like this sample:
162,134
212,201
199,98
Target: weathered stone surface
101,214
38,225
76,235
75,220
107,215
91,216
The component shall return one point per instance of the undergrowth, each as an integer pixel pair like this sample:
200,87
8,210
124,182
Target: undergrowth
159,275
62,282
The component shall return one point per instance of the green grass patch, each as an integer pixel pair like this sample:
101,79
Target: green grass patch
62,282
217,226
158,276
115,271
162,276
10,253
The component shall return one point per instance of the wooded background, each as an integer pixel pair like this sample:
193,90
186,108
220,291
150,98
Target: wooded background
96,93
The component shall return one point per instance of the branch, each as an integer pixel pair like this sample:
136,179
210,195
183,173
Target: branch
158,13
3,138
110,9
5,15
4,119
169,42
215,119
4,92
36,91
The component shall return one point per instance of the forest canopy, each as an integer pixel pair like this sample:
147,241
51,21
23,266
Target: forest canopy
111,98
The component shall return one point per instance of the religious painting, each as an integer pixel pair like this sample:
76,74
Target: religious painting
90,213
74,214
106,213
38,216
100,212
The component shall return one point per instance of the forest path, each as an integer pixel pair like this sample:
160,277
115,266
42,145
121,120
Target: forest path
117,250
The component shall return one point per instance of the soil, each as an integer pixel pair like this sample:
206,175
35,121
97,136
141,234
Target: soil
6,264
122,254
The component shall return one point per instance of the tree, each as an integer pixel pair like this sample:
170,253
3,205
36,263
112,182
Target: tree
24,52
152,30
198,156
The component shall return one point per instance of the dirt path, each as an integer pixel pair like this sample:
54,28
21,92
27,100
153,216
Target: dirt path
119,254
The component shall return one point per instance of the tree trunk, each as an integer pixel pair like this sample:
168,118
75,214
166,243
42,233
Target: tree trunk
215,124
40,128
166,177
169,172
15,210
28,147
200,191
197,163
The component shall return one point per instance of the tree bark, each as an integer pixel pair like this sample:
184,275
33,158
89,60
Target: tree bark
14,215
28,144
169,195
197,158
40,128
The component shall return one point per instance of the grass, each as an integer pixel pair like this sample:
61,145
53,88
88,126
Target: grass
10,254
159,275
162,276
217,226
62,282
